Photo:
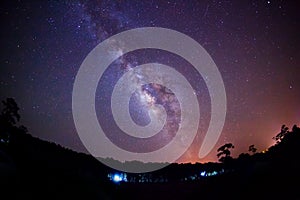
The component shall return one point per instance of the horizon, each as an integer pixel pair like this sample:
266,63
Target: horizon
234,156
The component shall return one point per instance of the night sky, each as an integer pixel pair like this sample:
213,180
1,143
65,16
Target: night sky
255,45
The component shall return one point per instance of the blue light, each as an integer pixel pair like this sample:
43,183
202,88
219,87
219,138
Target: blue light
202,173
212,173
117,178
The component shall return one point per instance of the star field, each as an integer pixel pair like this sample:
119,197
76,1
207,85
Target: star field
255,45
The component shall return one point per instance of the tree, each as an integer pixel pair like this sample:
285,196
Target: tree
224,152
252,149
10,112
284,130
8,119
295,129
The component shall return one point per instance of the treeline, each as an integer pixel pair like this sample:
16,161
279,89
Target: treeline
34,169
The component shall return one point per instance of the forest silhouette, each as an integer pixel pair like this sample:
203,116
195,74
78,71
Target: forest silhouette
31,168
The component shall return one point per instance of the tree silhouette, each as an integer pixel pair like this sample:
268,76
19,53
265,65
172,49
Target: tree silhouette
10,112
8,119
295,129
224,152
252,149
282,134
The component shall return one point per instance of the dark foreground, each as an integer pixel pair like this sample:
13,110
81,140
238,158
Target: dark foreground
35,169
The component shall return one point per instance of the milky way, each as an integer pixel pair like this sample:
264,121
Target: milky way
255,45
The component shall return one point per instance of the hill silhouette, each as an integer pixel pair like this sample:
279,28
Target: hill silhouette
31,168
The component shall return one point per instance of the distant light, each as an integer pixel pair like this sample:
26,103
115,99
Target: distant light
117,178
214,173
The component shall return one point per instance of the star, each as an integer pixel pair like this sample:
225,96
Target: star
254,45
